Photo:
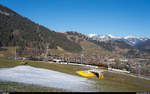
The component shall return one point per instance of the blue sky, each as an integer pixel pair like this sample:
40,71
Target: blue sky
116,17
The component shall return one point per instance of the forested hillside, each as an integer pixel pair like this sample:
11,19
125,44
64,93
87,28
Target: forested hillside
16,30
145,46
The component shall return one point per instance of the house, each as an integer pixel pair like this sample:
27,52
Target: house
111,60
123,60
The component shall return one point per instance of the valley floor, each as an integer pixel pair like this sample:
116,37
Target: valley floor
112,82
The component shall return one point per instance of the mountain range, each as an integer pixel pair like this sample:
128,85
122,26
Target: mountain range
131,40
17,30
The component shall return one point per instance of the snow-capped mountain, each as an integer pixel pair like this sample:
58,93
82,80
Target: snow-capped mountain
91,35
131,40
102,37
129,37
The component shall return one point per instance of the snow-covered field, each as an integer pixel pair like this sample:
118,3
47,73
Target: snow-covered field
45,77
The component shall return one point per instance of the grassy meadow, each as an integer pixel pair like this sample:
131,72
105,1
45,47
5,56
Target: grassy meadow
112,82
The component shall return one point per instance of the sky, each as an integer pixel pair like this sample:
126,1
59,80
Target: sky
117,17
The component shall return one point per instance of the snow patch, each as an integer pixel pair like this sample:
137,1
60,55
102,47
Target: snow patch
45,77
4,13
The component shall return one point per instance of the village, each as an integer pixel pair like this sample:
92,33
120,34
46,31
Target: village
122,65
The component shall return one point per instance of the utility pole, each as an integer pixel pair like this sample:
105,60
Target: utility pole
46,52
108,65
81,58
36,53
63,57
138,68
15,52
139,72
